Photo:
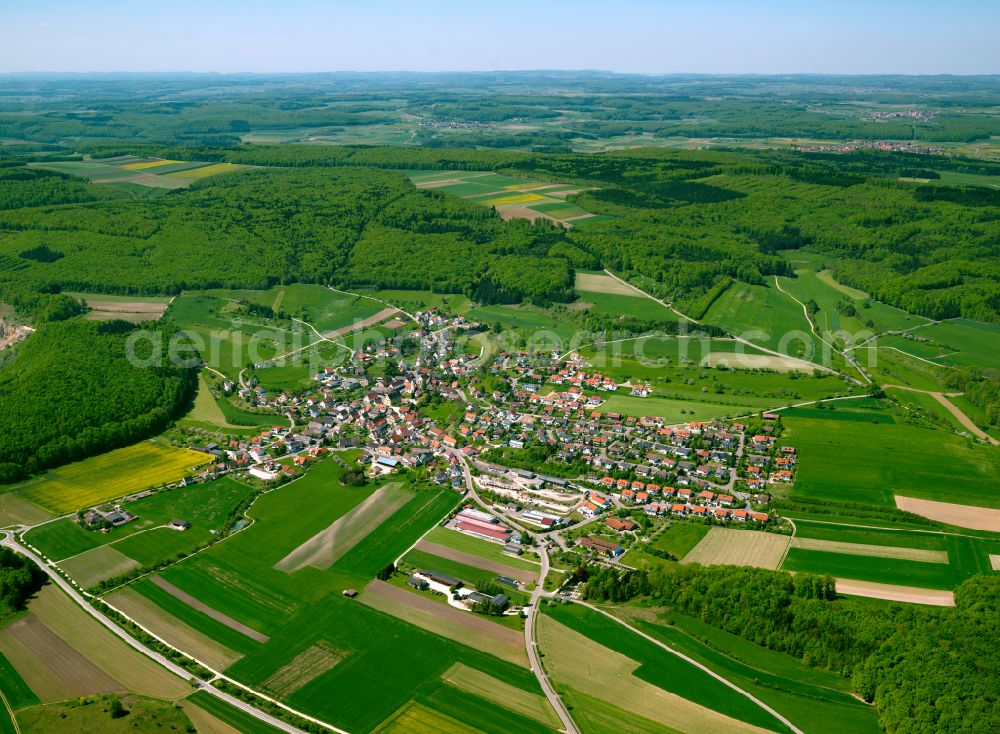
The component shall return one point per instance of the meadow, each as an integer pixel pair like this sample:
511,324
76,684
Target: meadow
205,505
869,463
482,548
590,653
110,476
816,700
677,539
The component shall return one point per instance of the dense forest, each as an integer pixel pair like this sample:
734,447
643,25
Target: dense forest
924,668
70,391
693,221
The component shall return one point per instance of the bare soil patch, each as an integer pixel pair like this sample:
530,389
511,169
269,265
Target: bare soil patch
205,609
328,546
50,667
600,283
874,551
755,362
475,561
963,516
173,630
363,324
522,212
394,323
892,592
725,546
303,668
447,621
15,511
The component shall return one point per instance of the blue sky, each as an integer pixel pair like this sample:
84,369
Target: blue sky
722,36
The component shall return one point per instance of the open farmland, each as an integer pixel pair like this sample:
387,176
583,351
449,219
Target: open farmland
963,516
91,567
888,459
131,308
16,511
171,629
221,713
60,651
476,561
582,664
725,546
447,621
415,718
110,476
150,172
512,197
372,643
328,546
503,694
817,701
204,504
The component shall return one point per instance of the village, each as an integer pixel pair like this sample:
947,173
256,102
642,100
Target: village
608,480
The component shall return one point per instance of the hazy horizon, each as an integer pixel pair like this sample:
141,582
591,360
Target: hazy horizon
895,37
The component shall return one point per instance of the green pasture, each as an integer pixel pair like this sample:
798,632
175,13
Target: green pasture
205,505
864,462
662,669
815,700
867,568
374,643
482,548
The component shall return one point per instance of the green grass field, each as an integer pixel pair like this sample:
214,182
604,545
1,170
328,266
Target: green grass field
230,715
660,668
205,505
615,304
763,315
855,461
482,548
110,476
879,570
815,700
677,539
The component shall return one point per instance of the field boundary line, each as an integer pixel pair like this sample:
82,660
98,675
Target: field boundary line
693,662
80,600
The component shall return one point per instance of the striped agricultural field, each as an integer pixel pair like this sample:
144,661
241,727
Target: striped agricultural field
875,551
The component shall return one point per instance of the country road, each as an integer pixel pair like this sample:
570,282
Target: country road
693,662
942,397
531,645
10,542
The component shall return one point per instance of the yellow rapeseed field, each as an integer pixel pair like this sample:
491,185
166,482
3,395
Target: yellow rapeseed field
149,164
110,476
515,199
